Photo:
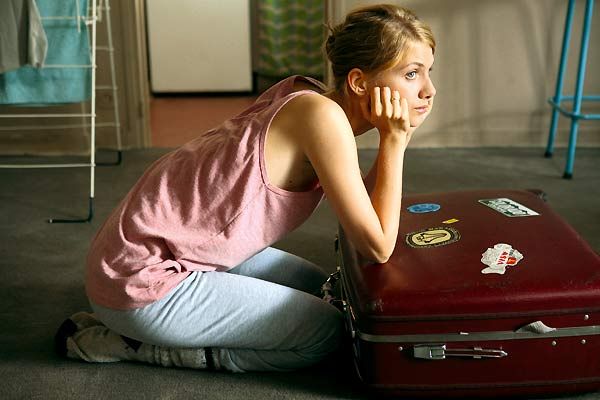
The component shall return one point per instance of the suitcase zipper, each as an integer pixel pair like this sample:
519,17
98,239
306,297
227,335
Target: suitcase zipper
482,336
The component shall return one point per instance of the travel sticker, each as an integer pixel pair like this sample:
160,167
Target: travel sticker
508,207
499,258
423,208
432,237
450,221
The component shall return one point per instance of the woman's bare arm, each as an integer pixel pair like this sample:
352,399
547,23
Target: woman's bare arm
371,222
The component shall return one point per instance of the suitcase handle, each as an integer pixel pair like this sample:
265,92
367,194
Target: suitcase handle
440,352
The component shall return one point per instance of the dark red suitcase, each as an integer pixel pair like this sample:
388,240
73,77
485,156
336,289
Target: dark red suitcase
440,319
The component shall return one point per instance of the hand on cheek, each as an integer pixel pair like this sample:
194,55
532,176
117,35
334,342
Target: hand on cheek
388,112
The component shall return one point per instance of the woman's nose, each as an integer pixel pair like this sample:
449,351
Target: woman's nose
428,91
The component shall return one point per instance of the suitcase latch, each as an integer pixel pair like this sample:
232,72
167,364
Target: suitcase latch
440,352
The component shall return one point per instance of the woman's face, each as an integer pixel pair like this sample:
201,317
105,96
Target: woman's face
411,78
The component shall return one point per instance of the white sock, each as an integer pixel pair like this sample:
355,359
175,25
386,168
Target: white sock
94,342
172,357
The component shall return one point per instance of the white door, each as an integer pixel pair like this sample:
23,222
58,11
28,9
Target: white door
199,45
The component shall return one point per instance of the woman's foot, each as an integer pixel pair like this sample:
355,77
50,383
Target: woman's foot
70,326
84,337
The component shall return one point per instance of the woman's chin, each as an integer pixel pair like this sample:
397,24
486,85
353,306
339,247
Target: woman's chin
415,123
417,120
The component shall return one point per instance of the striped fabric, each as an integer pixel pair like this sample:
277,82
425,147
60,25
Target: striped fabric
290,37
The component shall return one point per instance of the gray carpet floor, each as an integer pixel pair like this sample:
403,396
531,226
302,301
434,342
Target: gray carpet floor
42,265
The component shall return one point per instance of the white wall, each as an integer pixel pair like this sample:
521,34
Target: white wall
496,65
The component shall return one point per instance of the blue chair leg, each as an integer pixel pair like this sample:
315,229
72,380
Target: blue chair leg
585,41
560,79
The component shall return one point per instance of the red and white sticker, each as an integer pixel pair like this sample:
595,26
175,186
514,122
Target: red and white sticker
499,258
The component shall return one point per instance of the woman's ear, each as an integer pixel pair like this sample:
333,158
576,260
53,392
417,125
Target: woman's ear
357,82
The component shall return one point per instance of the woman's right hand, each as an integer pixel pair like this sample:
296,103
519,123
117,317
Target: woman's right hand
387,112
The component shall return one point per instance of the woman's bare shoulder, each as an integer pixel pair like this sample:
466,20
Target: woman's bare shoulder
314,111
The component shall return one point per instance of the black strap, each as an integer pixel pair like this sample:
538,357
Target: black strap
66,330
134,344
210,362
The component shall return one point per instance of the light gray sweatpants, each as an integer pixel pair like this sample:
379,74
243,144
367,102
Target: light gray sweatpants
262,315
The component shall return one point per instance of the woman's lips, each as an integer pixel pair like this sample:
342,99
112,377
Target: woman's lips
422,110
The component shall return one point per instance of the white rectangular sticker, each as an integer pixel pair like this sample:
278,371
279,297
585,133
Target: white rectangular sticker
508,207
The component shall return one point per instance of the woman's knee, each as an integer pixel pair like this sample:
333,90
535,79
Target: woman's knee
328,334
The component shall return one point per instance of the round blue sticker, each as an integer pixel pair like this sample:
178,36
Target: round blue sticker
424,208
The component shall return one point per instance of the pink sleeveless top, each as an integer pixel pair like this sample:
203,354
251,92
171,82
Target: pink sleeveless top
206,206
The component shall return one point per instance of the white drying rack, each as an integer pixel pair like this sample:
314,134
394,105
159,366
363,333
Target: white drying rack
93,15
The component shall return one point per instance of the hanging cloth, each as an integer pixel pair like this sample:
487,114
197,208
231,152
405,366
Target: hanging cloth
67,45
22,37
290,38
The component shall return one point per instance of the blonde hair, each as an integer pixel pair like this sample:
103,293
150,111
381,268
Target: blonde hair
374,38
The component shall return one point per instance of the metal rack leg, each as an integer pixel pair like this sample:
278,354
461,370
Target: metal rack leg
114,87
75,221
92,127
585,41
560,78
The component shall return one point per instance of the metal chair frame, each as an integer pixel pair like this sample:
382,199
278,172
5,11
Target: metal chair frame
575,113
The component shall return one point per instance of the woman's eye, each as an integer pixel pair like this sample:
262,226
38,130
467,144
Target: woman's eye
411,75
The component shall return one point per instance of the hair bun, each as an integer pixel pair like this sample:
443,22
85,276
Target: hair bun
372,38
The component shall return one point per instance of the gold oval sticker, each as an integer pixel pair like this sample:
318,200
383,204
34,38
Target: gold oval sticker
432,237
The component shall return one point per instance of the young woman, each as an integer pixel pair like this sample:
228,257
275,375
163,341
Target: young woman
182,272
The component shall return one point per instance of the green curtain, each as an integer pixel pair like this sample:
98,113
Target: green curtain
290,37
